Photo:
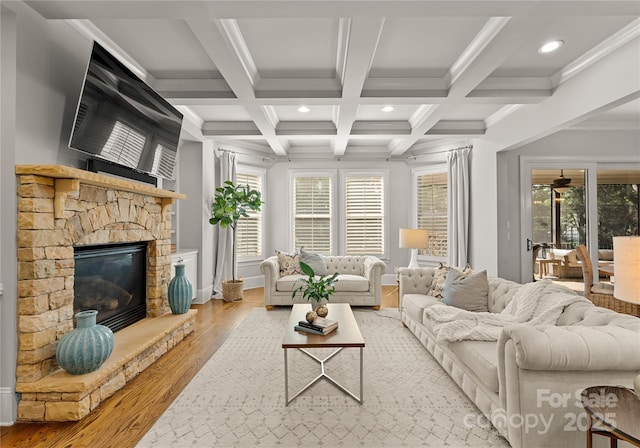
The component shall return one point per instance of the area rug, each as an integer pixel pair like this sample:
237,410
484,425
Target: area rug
237,399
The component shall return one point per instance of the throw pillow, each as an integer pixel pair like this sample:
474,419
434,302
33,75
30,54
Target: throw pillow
315,261
469,292
437,284
289,263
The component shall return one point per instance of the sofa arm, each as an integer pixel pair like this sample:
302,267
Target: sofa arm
606,347
415,281
374,268
270,268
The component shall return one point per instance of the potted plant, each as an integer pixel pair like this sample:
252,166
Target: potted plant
318,289
232,202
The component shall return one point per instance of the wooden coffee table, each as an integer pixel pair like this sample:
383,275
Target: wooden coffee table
613,412
347,335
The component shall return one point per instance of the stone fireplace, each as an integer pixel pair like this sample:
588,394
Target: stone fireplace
62,211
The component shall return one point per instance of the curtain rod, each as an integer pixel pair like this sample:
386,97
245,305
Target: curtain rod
440,152
264,158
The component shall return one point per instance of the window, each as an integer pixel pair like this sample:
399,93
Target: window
431,209
312,198
364,214
249,230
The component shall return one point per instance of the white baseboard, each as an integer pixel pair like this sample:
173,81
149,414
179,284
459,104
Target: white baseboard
253,282
389,279
8,406
203,295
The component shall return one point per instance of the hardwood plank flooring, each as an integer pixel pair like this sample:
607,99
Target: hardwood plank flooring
123,419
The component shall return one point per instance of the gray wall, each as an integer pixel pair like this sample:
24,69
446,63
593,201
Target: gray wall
43,65
586,146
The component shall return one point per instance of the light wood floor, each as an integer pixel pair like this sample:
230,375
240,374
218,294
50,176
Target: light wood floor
123,419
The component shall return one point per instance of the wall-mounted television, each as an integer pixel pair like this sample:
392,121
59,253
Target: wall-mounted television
120,119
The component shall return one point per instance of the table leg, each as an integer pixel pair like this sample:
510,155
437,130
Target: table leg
286,379
590,432
361,374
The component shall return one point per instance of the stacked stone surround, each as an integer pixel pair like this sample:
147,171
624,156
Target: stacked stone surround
60,208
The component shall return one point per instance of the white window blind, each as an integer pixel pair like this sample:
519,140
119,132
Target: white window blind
431,206
312,213
121,137
249,230
364,209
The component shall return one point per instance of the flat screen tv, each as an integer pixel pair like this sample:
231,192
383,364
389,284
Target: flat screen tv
122,120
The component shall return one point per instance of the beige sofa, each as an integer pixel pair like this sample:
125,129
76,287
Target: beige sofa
528,382
359,281
571,266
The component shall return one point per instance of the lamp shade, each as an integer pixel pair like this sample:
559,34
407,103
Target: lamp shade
626,268
414,238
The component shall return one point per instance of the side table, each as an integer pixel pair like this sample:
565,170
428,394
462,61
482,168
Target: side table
544,266
613,412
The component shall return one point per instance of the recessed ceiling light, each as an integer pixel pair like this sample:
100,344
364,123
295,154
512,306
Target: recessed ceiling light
550,46
303,109
387,108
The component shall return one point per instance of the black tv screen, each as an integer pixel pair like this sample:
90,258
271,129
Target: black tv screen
122,120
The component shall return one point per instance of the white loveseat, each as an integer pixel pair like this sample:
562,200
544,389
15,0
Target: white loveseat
359,281
528,383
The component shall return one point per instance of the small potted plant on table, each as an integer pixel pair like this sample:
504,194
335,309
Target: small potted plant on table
316,288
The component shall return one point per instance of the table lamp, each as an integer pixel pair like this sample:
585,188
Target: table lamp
626,268
414,239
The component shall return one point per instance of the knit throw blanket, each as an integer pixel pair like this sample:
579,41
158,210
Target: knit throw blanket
537,303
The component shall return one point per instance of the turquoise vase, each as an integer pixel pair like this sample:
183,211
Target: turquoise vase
180,292
85,348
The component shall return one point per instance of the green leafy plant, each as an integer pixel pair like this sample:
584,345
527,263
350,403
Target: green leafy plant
316,288
231,203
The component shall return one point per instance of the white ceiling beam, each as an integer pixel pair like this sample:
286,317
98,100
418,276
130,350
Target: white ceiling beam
217,43
230,128
193,88
251,9
364,34
574,101
294,128
498,39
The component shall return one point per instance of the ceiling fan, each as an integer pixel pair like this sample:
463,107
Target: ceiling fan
561,185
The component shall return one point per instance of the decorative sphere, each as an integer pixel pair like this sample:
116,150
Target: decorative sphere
322,310
311,316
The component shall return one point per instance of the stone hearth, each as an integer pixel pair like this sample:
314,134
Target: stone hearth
59,208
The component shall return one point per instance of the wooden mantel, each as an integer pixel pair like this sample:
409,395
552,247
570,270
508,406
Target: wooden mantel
68,179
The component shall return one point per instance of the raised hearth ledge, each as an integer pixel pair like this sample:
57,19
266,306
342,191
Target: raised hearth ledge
69,180
77,391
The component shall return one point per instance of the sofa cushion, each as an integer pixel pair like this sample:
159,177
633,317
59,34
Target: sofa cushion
414,305
289,263
481,358
469,292
501,292
605,254
288,282
437,284
602,288
351,283
315,261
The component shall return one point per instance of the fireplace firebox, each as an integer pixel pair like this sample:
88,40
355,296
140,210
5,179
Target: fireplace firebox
111,278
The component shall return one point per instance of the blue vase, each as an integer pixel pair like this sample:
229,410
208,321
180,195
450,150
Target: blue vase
180,292
85,348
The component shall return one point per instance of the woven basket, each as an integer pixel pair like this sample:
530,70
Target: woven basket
232,290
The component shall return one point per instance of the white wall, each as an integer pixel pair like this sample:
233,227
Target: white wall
596,146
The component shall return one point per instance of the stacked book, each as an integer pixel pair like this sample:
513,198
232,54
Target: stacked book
321,325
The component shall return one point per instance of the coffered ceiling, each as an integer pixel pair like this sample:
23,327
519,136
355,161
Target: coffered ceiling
451,70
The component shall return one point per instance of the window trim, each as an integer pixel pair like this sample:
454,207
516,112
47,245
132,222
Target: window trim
344,173
333,207
261,172
415,173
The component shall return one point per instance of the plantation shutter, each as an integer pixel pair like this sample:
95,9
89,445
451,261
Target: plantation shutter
432,212
249,230
124,145
312,214
364,205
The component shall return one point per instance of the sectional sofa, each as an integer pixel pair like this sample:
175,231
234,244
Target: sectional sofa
527,383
